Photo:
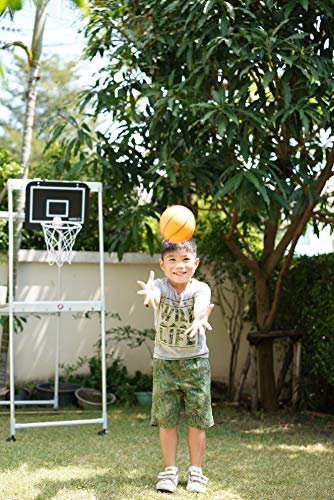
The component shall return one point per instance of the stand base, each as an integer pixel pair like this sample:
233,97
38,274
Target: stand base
11,439
102,433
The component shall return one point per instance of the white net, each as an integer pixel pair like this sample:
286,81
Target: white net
60,238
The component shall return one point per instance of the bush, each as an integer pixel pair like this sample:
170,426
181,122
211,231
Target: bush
308,303
118,380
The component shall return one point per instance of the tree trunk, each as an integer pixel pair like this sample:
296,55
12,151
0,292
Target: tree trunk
266,375
34,55
3,354
231,375
265,348
243,376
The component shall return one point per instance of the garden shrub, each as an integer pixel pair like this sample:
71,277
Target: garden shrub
308,303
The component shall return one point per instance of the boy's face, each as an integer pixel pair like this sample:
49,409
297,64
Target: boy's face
179,266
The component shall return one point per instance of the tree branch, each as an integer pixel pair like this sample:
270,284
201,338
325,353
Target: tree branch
270,232
24,47
298,224
3,193
321,217
303,219
234,248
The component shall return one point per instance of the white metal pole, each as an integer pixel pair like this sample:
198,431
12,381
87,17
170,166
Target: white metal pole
56,383
11,310
103,315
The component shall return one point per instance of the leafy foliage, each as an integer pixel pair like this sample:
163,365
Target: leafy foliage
226,106
13,5
119,381
9,168
57,90
219,102
307,303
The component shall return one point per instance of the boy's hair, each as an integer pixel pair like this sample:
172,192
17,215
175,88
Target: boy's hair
169,246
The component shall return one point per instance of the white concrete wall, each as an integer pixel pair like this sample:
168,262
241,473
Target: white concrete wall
35,345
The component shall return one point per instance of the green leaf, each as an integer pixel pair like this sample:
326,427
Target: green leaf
304,4
13,4
230,187
268,77
230,10
260,187
222,126
304,120
281,200
286,92
219,96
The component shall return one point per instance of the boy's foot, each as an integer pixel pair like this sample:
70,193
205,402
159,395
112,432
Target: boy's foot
196,482
168,480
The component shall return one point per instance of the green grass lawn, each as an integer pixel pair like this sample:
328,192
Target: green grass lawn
282,456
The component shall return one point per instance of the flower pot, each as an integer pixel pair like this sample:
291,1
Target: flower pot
66,393
92,399
3,393
144,398
23,394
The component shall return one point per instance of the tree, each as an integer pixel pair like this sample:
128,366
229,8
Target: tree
13,5
33,54
57,91
9,168
226,106
231,286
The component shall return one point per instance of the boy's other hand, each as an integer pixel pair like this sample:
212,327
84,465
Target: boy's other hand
200,323
149,290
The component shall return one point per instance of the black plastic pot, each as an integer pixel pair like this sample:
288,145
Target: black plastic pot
23,394
66,393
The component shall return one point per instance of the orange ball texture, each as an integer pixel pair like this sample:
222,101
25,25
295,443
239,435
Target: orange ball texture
177,223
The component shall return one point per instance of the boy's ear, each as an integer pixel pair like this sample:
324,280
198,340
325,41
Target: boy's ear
197,261
161,264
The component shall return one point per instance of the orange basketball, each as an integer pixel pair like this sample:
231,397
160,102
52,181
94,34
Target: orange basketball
177,223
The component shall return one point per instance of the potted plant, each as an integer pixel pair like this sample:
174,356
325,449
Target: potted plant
91,398
128,390
142,383
66,392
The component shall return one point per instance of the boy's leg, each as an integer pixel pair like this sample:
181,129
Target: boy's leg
168,479
168,443
196,445
199,417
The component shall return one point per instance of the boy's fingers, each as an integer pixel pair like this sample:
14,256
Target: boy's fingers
151,277
211,306
142,284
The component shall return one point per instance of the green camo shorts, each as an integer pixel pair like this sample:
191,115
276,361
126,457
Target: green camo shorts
182,384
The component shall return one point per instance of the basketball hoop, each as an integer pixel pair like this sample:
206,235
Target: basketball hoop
60,238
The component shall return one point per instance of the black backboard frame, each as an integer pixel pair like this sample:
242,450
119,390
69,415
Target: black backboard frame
47,199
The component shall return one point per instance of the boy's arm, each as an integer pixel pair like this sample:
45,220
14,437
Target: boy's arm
200,322
150,291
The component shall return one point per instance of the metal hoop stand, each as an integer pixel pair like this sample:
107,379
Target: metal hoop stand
58,307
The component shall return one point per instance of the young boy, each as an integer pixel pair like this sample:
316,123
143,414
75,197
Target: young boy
181,370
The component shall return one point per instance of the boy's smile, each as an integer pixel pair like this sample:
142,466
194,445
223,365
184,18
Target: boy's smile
179,267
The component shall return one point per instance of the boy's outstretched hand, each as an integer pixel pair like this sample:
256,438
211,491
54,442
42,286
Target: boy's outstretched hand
150,292
200,322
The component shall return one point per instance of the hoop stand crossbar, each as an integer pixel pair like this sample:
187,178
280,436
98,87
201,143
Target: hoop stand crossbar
51,307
